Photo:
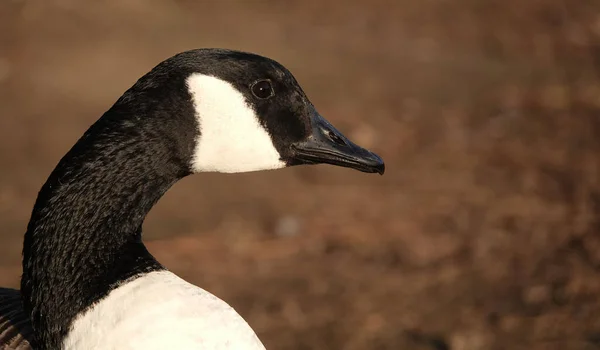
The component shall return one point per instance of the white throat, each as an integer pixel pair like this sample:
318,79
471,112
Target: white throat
231,140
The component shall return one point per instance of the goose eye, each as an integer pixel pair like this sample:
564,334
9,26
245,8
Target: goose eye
262,89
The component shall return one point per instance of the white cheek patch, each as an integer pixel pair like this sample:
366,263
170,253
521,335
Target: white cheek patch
231,137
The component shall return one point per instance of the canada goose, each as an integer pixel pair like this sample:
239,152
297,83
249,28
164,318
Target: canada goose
88,281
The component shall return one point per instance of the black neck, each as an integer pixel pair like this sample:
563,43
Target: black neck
84,236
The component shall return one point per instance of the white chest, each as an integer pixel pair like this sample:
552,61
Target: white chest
161,311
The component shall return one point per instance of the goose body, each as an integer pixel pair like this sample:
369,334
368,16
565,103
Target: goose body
183,313
88,281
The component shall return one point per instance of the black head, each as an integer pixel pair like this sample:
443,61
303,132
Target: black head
252,114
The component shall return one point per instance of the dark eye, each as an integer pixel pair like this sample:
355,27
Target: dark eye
262,89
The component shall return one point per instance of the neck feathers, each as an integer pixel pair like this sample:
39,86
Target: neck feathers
84,236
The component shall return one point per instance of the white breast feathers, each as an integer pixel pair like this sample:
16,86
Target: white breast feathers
159,310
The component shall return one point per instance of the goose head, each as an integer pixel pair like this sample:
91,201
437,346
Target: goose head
250,114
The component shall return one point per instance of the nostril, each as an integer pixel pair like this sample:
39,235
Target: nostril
335,138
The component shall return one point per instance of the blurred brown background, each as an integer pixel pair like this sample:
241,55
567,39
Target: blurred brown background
483,233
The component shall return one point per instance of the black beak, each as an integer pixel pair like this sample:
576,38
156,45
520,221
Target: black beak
326,145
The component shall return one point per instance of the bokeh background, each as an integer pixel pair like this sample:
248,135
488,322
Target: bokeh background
484,231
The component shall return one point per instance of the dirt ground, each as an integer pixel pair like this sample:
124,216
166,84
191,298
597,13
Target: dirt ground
484,231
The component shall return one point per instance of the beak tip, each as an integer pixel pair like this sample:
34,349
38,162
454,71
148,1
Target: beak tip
379,164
